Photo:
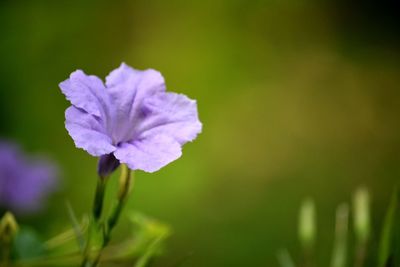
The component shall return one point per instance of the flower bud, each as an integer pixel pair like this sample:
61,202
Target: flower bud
8,228
107,165
361,214
125,183
307,225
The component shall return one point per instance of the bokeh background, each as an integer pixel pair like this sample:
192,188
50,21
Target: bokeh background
297,98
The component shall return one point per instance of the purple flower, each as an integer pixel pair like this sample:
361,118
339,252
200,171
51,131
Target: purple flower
24,183
130,116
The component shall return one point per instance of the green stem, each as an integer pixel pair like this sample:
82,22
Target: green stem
99,198
97,211
125,183
112,221
107,230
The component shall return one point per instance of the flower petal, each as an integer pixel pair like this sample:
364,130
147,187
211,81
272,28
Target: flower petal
85,92
149,80
170,114
24,182
149,154
87,132
127,88
29,190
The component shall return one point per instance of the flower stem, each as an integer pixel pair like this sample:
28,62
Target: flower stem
99,198
96,213
125,184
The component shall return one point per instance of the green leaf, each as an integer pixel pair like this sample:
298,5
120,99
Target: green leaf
150,251
396,236
150,234
79,232
386,240
67,238
145,241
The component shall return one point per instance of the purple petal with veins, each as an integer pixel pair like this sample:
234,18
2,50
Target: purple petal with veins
131,116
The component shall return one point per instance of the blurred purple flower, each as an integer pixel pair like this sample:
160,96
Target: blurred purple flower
130,116
24,183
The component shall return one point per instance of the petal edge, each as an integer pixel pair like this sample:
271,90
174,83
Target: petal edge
150,154
87,133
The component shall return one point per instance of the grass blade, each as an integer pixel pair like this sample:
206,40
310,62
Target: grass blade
386,240
339,257
361,224
307,231
284,258
76,227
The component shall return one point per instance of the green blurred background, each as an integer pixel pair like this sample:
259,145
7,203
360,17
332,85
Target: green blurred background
297,98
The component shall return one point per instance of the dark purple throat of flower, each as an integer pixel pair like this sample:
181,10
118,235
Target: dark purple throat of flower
107,165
